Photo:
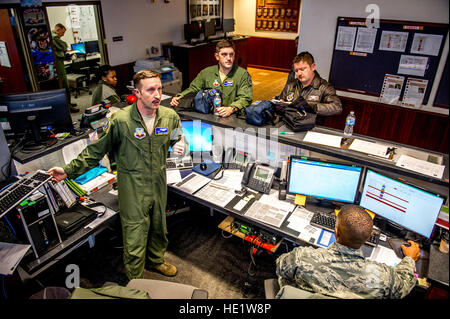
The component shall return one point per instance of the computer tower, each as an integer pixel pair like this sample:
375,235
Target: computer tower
34,223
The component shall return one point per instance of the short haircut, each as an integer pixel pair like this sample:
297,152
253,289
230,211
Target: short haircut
144,74
304,56
104,70
60,26
355,225
224,43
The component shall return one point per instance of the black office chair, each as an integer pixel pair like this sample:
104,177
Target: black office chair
80,76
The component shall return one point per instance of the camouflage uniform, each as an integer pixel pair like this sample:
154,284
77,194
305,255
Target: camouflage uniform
343,272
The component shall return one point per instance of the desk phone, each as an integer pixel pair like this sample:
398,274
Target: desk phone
258,177
235,161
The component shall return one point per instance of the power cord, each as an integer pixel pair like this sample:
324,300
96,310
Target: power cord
3,287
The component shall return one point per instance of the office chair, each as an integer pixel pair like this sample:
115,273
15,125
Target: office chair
80,74
273,291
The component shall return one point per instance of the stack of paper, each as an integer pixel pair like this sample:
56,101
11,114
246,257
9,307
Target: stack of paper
420,166
323,139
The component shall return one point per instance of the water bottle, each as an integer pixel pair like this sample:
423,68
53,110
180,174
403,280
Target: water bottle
349,123
217,103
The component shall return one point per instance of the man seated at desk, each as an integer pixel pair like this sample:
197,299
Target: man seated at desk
234,82
341,270
313,91
105,87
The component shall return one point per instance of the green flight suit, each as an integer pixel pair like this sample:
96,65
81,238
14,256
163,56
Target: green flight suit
60,48
236,88
104,91
141,166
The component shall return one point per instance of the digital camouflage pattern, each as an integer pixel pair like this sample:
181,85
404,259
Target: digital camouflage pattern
343,272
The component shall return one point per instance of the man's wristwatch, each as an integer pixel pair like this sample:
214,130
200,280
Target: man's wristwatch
235,109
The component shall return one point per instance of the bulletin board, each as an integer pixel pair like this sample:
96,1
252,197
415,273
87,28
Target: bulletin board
362,56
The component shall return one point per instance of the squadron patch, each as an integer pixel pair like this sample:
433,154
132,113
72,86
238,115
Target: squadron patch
216,83
290,96
139,133
161,131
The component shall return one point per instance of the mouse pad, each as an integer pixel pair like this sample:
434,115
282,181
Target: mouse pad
396,244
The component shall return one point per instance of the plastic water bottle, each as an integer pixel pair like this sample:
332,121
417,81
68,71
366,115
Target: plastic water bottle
217,103
349,123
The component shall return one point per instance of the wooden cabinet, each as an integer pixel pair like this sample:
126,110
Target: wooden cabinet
191,59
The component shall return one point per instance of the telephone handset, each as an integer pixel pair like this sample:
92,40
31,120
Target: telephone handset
258,177
235,160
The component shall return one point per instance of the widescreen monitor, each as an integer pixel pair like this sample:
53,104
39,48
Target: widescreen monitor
406,205
198,135
91,47
329,181
228,25
50,109
79,47
192,31
209,28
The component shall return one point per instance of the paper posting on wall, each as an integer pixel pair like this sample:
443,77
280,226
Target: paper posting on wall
428,44
392,87
414,92
4,58
393,41
365,39
412,65
345,38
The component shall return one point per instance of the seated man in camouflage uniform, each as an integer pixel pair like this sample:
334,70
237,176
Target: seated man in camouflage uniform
341,270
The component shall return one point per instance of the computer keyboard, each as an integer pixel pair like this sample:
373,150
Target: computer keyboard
21,189
328,222
179,163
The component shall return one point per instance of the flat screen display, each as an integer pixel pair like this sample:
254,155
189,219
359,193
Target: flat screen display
406,205
324,180
79,47
198,135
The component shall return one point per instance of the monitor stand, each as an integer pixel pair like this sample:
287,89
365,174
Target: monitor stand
325,203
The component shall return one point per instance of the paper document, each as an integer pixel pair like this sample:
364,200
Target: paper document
420,166
193,182
384,255
392,87
326,238
10,256
369,148
173,176
428,44
272,200
412,65
393,41
231,179
165,97
300,219
216,194
324,139
414,92
266,213
345,38
365,39
71,151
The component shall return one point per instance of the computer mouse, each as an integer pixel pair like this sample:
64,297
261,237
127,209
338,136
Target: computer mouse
203,166
406,244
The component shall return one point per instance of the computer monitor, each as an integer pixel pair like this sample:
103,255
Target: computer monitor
402,203
36,112
79,47
325,181
198,135
91,47
228,25
209,29
192,31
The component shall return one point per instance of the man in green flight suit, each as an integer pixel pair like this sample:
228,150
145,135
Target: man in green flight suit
234,82
60,48
139,137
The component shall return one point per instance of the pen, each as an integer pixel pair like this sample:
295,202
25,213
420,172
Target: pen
287,133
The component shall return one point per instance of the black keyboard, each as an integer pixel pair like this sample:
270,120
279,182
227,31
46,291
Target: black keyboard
20,190
328,222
